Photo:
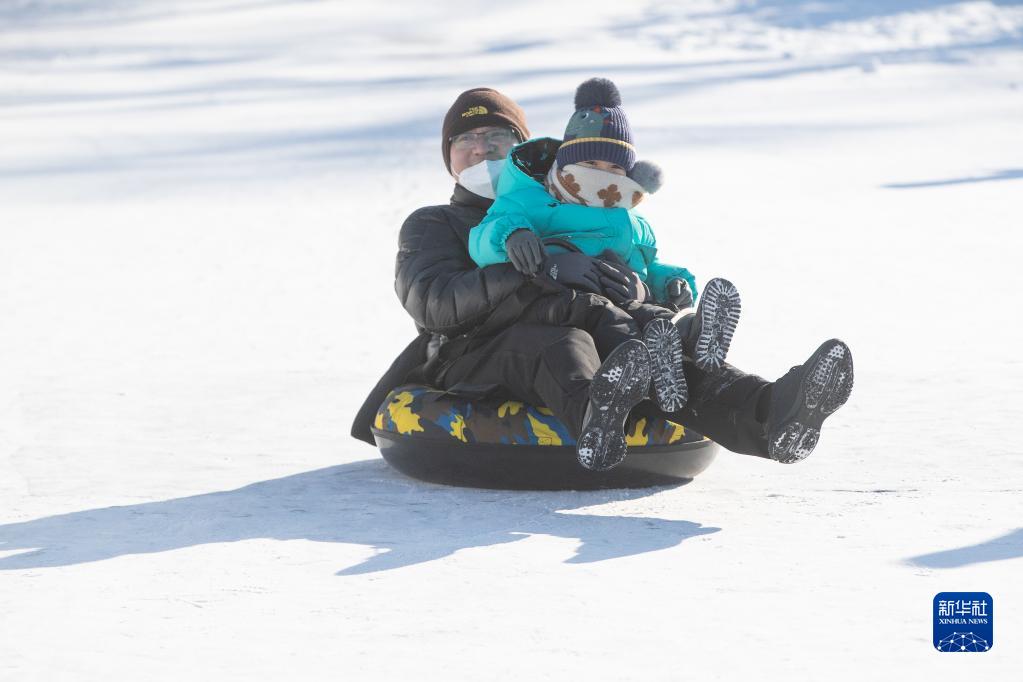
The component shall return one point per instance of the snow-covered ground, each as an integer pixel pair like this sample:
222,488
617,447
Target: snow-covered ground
199,203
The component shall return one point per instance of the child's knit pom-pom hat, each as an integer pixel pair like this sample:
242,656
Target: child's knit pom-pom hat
600,131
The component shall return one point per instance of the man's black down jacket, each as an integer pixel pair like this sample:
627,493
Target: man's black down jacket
443,290
436,281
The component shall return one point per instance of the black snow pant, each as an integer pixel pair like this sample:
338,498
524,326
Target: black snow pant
552,366
610,325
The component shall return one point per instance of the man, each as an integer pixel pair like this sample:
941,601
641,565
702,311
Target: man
471,343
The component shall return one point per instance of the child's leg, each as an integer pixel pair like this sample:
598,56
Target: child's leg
707,329
645,313
664,343
609,325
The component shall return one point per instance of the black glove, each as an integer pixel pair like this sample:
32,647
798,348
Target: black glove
620,282
525,251
679,294
575,271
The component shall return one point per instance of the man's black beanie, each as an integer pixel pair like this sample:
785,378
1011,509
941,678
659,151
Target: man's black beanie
481,107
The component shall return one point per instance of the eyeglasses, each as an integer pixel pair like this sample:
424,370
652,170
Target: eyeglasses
499,137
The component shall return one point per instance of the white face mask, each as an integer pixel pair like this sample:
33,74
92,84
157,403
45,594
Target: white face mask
576,184
481,179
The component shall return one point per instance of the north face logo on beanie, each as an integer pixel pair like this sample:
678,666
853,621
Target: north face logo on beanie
475,111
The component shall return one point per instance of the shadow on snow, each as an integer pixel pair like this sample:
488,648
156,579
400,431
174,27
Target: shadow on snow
1009,546
1008,174
363,503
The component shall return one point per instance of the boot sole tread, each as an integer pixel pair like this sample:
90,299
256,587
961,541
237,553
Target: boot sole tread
825,388
622,381
719,310
664,342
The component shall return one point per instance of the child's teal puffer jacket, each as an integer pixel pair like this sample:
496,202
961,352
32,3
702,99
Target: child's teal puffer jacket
522,202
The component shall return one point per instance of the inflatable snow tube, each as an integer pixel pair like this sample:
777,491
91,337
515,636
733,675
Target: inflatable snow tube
442,438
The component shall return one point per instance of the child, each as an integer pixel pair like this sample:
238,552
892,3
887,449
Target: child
579,194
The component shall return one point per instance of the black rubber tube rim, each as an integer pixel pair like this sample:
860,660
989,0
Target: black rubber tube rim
539,467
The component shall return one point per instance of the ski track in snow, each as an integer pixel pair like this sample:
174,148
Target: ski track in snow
200,203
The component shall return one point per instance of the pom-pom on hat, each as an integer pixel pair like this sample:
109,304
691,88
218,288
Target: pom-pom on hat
647,175
598,130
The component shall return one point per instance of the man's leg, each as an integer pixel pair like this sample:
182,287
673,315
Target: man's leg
726,405
538,364
559,367
780,420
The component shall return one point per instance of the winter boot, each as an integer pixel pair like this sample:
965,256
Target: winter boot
664,343
803,398
622,381
707,333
